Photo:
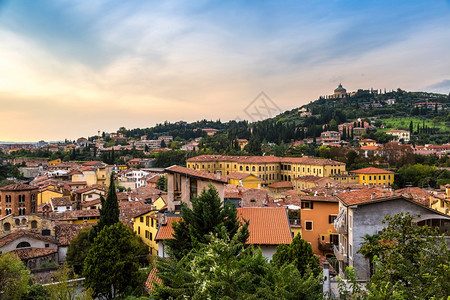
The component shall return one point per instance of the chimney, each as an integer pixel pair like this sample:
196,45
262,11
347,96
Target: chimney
372,196
326,278
392,193
219,175
384,194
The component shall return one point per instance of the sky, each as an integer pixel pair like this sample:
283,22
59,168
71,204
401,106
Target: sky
69,68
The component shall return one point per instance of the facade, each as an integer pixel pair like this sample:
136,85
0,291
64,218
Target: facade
184,183
309,181
32,222
317,222
400,135
244,179
18,199
362,212
330,137
270,169
374,176
146,225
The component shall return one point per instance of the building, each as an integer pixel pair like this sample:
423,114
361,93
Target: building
184,183
374,176
244,179
362,212
268,228
330,137
340,92
400,135
309,181
317,223
269,168
367,142
18,199
146,225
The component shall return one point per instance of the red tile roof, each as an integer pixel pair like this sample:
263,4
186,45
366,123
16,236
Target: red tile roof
92,163
281,185
238,175
267,225
371,170
27,253
19,233
18,187
264,159
61,201
194,173
152,278
65,232
365,196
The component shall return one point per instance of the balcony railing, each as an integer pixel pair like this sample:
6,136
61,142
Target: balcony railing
295,222
339,254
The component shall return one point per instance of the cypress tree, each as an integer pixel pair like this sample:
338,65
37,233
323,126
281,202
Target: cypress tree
411,127
109,213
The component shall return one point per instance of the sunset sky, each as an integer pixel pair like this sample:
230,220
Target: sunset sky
70,68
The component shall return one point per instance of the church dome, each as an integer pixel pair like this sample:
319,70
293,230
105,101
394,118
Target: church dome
340,90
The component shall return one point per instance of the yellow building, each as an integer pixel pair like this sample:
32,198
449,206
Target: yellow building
244,179
242,143
309,181
46,194
374,176
442,203
54,162
146,225
92,175
269,169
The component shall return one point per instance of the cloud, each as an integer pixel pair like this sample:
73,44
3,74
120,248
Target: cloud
440,87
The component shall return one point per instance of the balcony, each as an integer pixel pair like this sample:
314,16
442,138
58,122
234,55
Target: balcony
342,228
295,223
340,255
326,247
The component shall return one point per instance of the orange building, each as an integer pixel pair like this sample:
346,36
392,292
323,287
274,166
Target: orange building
317,220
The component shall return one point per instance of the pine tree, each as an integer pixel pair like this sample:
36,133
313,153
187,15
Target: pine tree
411,127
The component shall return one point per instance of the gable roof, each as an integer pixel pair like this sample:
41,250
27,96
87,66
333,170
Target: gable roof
267,226
239,175
27,253
281,185
18,187
20,233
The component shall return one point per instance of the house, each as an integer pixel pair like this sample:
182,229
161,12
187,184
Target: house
145,224
400,135
64,233
32,248
184,183
32,222
330,137
280,186
317,223
132,178
18,199
61,204
89,194
268,228
309,181
362,212
244,179
374,176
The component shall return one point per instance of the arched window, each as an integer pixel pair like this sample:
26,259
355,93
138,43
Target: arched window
17,221
246,168
253,168
33,224
23,245
7,227
24,221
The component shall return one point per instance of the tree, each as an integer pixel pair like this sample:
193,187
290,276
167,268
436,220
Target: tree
14,277
78,250
163,144
66,290
161,183
109,213
111,266
300,254
207,216
410,260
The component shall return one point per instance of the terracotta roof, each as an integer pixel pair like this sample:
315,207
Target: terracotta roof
19,233
77,183
27,253
281,184
130,209
166,231
65,232
367,140
70,215
90,203
61,201
152,278
264,159
371,170
319,198
365,196
267,225
238,175
416,194
89,188
92,163
311,161
18,187
310,178
370,148
194,173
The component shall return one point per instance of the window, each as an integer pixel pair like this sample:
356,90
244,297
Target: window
33,224
141,219
247,169
334,239
307,205
331,219
259,168
17,221
350,221
47,245
240,168
370,177
147,221
139,230
7,227
364,177
24,245
323,238
308,225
